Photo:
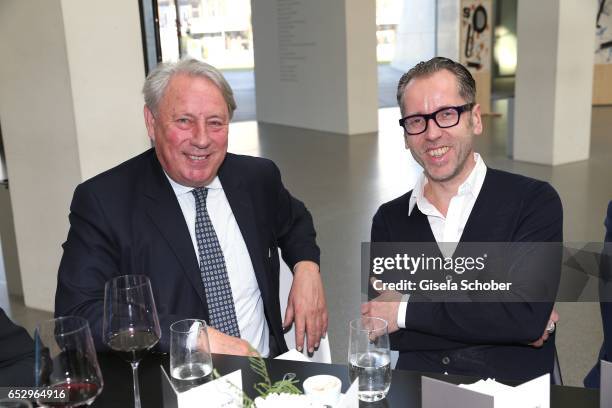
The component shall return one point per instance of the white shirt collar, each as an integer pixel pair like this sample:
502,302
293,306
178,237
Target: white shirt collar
180,189
471,185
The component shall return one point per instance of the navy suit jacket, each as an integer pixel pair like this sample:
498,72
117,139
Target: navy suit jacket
480,339
16,354
605,353
128,221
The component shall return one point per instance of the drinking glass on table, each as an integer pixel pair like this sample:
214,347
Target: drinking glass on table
190,359
131,325
369,357
66,363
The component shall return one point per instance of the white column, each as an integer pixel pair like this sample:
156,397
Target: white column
315,64
70,107
449,17
554,79
416,34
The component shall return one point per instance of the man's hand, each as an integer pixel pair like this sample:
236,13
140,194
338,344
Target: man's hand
552,321
306,306
384,306
222,343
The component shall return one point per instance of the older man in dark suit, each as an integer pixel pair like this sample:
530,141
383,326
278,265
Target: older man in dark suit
203,224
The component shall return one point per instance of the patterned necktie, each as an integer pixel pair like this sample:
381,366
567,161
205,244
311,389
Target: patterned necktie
221,310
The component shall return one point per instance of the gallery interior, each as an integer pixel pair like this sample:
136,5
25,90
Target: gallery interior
315,84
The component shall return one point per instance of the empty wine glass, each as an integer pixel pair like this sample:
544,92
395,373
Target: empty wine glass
66,362
131,325
369,357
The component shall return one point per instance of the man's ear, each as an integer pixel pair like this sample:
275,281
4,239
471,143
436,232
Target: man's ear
150,123
476,120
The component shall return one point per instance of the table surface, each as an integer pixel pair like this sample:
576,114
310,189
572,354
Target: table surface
405,386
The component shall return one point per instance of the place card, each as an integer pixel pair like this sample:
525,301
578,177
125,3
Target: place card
224,392
486,394
349,399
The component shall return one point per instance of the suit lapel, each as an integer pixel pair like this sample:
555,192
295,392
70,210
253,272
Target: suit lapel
241,204
164,211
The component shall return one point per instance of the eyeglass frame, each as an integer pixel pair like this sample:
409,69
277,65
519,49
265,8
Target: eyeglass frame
427,116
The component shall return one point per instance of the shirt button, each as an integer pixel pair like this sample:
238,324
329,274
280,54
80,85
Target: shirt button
446,360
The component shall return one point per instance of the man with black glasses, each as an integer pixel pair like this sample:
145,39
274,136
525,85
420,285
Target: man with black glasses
458,199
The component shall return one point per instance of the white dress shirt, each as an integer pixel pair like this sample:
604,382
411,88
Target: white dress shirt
245,290
450,228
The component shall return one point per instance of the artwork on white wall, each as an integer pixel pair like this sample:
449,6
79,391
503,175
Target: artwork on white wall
603,33
476,26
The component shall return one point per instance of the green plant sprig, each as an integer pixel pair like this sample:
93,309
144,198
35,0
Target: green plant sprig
266,386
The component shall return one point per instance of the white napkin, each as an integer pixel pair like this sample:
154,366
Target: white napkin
192,339
532,394
294,355
349,399
222,392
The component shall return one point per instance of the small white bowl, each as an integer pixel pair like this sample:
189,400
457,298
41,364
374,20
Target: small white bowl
323,389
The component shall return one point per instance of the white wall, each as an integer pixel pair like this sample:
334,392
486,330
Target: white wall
70,108
106,64
315,64
361,66
9,260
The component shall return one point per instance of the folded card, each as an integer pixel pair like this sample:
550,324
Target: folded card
223,392
294,355
532,394
486,394
349,399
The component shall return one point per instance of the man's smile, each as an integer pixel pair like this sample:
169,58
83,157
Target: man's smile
437,152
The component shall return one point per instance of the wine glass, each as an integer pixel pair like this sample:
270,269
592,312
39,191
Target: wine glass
66,362
131,325
369,357
190,359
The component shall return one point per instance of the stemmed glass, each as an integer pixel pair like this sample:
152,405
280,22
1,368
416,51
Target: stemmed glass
131,325
66,362
369,357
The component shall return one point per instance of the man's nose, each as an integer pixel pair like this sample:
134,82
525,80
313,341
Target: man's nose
433,131
200,137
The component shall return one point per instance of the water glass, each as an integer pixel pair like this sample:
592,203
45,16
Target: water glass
369,357
190,359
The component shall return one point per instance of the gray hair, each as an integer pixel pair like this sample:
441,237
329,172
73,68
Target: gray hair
465,81
158,79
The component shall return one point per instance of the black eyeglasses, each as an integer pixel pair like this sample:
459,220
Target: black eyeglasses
444,118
